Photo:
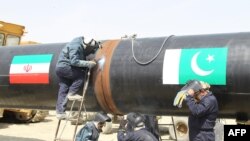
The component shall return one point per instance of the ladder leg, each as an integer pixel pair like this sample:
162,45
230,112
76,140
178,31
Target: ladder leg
59,123
57,129
68,118
174,128
82,101
78,117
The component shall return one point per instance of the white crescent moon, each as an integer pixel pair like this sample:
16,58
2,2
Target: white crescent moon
196,68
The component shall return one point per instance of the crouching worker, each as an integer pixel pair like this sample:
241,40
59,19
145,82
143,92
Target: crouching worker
91,130
133,129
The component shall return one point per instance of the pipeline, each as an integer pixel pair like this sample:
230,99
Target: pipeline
120,85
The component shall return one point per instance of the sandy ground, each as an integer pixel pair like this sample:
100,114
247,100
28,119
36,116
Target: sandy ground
45,131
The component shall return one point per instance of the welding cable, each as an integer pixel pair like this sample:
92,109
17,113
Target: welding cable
151,60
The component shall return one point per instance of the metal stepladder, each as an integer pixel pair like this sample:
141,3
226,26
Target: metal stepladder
169,124
82,105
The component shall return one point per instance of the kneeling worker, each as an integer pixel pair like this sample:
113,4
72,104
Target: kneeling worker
91,130
137,132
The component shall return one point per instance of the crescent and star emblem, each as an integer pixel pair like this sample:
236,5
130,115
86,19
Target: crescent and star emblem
195,67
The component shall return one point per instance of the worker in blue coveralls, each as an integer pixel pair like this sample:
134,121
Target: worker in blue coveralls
71,69
151,124
91,130
137,130
204,110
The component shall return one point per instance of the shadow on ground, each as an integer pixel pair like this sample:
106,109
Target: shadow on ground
14,120
2,126
9,138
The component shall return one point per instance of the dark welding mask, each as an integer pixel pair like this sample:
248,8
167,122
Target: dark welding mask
135,119
102,117
91,47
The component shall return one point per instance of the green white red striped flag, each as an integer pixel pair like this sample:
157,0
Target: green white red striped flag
30,69
206,64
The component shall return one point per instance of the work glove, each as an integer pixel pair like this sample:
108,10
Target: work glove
122,125
88,64
91,64
179,98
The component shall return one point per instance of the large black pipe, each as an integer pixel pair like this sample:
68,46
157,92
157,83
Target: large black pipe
141,88
127,86
34,96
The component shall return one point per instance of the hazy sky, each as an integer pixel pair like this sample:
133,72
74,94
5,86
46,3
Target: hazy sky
49,21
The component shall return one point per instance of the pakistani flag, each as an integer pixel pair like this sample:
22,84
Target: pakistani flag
206,64
30,69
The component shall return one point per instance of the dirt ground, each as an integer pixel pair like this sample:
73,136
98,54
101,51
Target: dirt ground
44,131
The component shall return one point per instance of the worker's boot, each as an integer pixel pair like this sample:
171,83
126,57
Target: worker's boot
73,97
61,116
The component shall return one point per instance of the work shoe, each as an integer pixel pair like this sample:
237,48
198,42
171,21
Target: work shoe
61,116
74,97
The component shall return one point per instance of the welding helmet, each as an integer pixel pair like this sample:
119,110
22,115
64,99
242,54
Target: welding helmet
192,84
87,40
90,46
102,117
135,119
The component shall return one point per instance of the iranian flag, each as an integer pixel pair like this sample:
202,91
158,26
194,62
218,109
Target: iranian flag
30,69
206,64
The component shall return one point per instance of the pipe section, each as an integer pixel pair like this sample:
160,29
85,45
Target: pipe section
120,85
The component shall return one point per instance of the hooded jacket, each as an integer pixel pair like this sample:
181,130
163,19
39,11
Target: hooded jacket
88,133
73,54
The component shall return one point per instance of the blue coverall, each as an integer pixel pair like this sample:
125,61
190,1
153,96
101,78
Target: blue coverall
151,125
88,133
202,119
70,71
139,135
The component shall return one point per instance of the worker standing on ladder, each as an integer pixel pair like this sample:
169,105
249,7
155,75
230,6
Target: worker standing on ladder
70,71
